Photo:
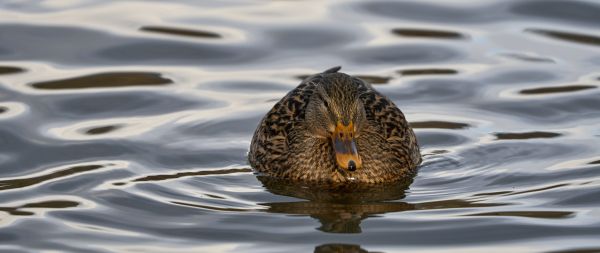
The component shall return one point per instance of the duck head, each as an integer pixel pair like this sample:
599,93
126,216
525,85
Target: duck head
336,113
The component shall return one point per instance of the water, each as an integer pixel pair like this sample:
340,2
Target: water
124,125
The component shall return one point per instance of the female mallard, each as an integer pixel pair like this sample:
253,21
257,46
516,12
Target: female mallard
335,128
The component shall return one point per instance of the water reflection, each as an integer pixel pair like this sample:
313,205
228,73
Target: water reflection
342,209
341,248
568,36
60,173
556,89
50,204
527,57
427,33
105,80
192,173
430,71
181,32
7,70
52,174
439,124
102,129
124,125
526,135
529,214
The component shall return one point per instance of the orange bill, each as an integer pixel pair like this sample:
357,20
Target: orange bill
344,145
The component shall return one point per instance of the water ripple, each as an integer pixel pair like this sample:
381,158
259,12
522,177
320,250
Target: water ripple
56,173
432,71
427,33
568,36
529,214
125,126
439,124
526,135
105,80
7,70
556,89
181,32
405,54
11,109
53,204
187,174
560,10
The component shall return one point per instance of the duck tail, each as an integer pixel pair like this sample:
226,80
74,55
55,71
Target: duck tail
332,70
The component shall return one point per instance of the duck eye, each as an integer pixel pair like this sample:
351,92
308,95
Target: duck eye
341,135
325,103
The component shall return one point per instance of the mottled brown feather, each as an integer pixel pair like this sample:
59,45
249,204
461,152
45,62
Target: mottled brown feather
283,146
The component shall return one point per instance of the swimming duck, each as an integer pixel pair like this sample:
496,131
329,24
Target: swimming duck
335,128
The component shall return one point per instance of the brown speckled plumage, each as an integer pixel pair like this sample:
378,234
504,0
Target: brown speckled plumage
286,145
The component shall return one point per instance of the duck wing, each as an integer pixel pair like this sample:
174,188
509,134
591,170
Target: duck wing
382,113
269,148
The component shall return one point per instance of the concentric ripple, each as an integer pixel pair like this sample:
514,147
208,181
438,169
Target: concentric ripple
125,125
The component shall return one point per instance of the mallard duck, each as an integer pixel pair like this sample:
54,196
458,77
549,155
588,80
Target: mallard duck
335,128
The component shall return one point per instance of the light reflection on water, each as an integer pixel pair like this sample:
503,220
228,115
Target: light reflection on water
124,126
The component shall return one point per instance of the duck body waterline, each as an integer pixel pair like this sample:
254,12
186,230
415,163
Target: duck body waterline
335,128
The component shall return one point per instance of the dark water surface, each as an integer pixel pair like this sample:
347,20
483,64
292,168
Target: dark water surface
124,125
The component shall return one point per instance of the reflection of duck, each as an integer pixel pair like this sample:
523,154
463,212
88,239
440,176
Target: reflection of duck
341,209
340,248
335,128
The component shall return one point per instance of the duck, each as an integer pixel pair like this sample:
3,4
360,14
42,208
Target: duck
334,129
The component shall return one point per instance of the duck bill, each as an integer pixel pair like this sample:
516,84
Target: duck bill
344,145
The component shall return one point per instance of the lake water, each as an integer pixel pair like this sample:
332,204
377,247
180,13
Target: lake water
124,125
